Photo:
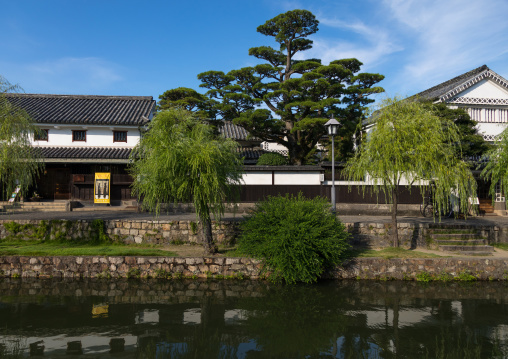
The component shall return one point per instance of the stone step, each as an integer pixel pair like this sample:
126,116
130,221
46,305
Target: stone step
20,207
437,236
443,226
462,248
452,242
473,253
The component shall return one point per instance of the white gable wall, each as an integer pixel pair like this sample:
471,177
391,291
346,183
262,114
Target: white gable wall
485,89
487,103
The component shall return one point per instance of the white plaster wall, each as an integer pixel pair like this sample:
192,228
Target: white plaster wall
254,178
297,178
95,137
485,89
490,128
282,178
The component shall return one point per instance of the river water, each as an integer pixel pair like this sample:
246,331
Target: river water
252,319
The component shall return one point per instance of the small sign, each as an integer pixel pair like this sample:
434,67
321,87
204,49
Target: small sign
14,194
474,200
102,187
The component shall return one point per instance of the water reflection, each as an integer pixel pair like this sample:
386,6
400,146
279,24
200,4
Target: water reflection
250,319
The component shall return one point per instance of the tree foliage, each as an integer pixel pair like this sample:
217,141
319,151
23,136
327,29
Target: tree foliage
272,159
496,169
180,160
297,238
287,101
188,99
409,145
20,162
471,143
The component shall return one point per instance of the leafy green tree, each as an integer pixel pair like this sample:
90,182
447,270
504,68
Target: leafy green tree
188,99
297,238
287,101
471,142
180,160
408,144
496,169
272,159
20,162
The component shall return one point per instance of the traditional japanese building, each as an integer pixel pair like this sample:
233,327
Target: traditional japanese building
84,135
484,95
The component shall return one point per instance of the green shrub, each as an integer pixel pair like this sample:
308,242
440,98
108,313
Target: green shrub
424,277
297,238
465,276
272,159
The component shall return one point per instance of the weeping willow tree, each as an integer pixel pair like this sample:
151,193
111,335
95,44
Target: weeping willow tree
409,145
496,169
20,162
179,159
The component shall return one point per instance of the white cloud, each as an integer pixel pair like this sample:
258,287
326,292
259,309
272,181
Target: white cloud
374,45
67,75
450,36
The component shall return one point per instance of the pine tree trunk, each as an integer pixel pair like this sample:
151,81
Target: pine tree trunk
395,231
209,246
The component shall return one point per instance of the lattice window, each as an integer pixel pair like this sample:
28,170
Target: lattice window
42,135
475,114
119,136
499,194
503,115
490,138
79,136
490,115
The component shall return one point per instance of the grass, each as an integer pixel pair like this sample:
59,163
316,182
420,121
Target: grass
389,253
56,248
503,246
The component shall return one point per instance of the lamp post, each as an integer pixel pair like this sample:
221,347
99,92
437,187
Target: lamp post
332,126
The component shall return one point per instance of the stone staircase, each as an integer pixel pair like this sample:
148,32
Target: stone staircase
467,241
17,207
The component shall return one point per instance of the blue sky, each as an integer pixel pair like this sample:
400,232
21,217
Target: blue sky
113,47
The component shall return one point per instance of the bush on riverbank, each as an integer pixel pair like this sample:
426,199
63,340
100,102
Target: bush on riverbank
297,238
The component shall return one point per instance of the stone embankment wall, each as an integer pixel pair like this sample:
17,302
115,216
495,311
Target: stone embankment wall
377,235
128,231
130,267
217,267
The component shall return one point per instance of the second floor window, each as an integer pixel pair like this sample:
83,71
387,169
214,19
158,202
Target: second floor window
119,136
79,136
41,135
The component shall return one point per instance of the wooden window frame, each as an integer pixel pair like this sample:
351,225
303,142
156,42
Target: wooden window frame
74,131
115,132
42,139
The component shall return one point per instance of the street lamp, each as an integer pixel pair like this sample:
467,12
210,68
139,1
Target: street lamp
332,126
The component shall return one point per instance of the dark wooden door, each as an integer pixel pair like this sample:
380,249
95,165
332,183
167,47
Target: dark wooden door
55,183
62,183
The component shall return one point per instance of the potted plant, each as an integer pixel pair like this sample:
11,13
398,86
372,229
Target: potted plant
35,197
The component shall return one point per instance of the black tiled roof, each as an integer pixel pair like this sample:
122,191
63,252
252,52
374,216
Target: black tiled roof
83,109
437,91
238,133
85,153
250,154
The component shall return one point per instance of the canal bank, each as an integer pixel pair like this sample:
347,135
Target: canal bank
458,268
367,231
